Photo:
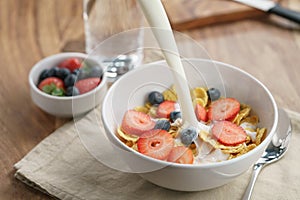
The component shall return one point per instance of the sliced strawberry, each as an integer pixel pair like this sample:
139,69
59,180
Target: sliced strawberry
165,108
228,133
86,85
71,64
223,109
182,155
136,123
156,144
201,113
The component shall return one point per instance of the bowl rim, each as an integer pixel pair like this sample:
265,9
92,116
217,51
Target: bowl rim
60,56
202,165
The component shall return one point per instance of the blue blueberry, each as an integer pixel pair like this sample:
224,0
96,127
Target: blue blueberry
88,71
72,91
62,73
162,124
188,135
53,71
155,98
76,72
70,80
43,75
175,115
96,72
213,94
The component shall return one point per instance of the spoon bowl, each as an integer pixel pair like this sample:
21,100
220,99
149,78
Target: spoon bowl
275,150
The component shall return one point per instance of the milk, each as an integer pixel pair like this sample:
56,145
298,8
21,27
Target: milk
157,18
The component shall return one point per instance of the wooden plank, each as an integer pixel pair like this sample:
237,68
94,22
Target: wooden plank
188,14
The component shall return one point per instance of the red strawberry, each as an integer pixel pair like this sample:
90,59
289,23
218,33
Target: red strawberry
201,113
223,109
165,108
71,64
86,85
156,144
228,133
52,85
182,155
136,123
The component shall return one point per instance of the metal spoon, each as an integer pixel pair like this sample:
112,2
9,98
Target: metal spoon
275,150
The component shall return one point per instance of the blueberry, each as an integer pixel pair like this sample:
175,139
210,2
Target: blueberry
43,75
162,124
62,73
53,72
76,72
188,135
175,115
96,72
70,80
213,94
72,91
155,98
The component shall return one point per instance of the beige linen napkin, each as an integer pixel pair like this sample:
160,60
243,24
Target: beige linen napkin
62,167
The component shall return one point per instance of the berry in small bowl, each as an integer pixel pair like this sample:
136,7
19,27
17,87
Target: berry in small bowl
67,84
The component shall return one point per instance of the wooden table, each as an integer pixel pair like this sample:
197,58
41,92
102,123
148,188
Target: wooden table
268,48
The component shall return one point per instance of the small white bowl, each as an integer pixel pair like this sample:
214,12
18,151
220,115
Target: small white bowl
131,90
64,106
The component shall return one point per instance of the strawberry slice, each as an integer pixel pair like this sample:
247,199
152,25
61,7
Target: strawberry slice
136,123
86,85
156,144
224,109
165,108
182,155
71,64
201,113
228,133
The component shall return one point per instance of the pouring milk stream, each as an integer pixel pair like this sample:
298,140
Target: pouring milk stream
157,18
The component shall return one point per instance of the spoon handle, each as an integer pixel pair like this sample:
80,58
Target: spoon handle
256,170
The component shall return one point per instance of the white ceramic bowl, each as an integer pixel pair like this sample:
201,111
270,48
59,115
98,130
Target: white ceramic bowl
132,89
64,106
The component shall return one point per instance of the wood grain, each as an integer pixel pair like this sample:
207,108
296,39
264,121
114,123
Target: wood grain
266,47
188,14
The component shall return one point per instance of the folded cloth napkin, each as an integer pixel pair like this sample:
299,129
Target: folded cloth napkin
62,167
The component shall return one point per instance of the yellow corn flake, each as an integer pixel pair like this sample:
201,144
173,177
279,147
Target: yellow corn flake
142,109
134,147
244,106
148,105
127,137
193,147
174,133
248,139
199,101
200,93
250,129
246,150
170,94
251,146
244,112
260,132
251,120
152,111
129,143
234,150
